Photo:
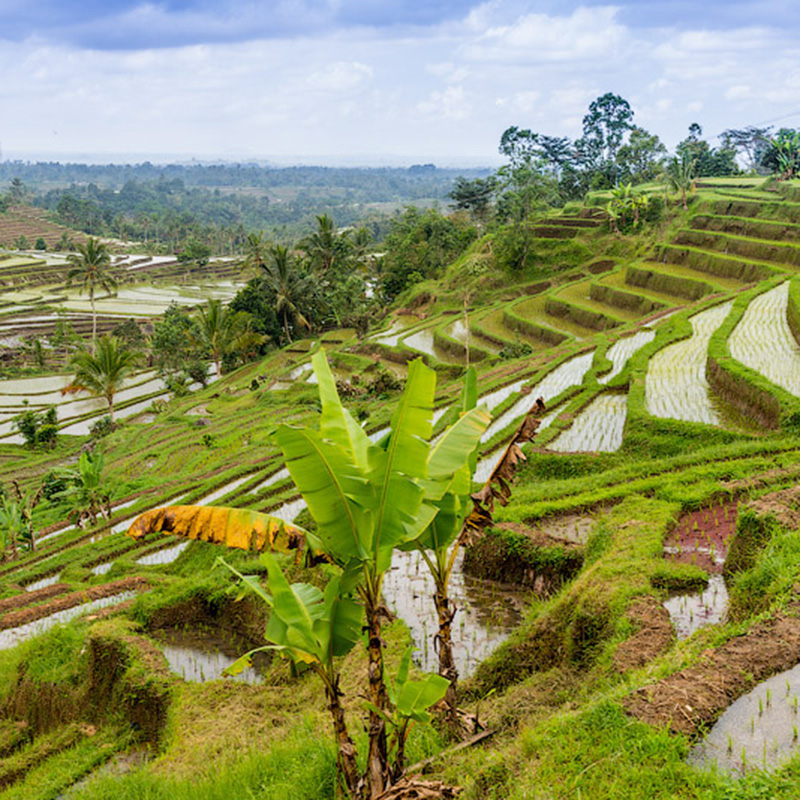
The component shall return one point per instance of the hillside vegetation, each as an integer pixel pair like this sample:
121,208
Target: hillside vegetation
652,529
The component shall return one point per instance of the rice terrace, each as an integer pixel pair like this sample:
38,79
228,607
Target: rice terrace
519,520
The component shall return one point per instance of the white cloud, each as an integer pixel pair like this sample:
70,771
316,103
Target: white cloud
341,77
588,33
452,103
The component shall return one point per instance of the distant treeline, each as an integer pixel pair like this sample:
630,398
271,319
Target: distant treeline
154,202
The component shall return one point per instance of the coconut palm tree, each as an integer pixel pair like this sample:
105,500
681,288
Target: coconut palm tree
220,329
91,268
325,245
102,373
681,174
289,286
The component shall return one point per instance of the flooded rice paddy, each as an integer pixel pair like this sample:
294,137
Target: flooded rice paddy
690,612
758,731
200,654
487,612
676,385
701,538
598,428
620,352
570,373
162,557
763,341
13,636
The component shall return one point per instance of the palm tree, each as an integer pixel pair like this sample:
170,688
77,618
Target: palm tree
680,174
289,287
220,328
90,267
103,372
325,244
255,251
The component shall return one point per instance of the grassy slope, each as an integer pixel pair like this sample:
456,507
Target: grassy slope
552,691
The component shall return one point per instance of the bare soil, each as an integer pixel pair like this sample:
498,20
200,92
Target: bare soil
29,598
784,505
691,700
29,614
654,636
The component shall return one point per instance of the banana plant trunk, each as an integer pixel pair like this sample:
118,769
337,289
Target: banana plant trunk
447,664
345,749
378,756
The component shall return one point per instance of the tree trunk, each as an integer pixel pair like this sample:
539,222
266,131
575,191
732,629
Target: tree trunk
94,319
447,664
378,757
346,751
286,328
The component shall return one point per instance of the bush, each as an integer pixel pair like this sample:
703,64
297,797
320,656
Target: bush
38,429
102,427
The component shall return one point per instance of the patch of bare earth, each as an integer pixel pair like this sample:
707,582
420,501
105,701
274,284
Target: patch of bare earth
784,505
36,596
654,636
692,699
14,619
701,537
541,535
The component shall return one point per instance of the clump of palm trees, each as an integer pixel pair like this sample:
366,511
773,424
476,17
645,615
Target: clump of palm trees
318,281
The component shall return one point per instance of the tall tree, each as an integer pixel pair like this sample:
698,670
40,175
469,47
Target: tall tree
609,118
751,142
103,372
91,268
641,158
289,287
219,329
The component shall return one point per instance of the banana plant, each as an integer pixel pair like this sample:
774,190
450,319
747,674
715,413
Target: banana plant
85,489
313,628
409,703
439,543
367,499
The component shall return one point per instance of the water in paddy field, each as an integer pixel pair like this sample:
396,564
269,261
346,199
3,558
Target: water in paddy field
162,557
487,611
568,374
13,636
400,324
43,582
423,341
763,341
758,731
690,612
200,654
676,385
486,466
619,352
598,428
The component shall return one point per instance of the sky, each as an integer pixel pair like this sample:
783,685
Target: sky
367,82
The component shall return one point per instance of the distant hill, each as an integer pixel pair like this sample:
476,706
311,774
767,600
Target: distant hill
33,223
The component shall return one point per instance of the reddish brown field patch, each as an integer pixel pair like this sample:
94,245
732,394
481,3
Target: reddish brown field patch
701,537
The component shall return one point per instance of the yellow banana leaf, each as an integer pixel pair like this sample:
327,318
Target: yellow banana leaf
232,527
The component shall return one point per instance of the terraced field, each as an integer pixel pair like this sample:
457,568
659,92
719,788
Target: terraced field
641,579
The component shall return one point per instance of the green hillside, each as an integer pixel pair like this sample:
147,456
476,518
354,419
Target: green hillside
651,537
